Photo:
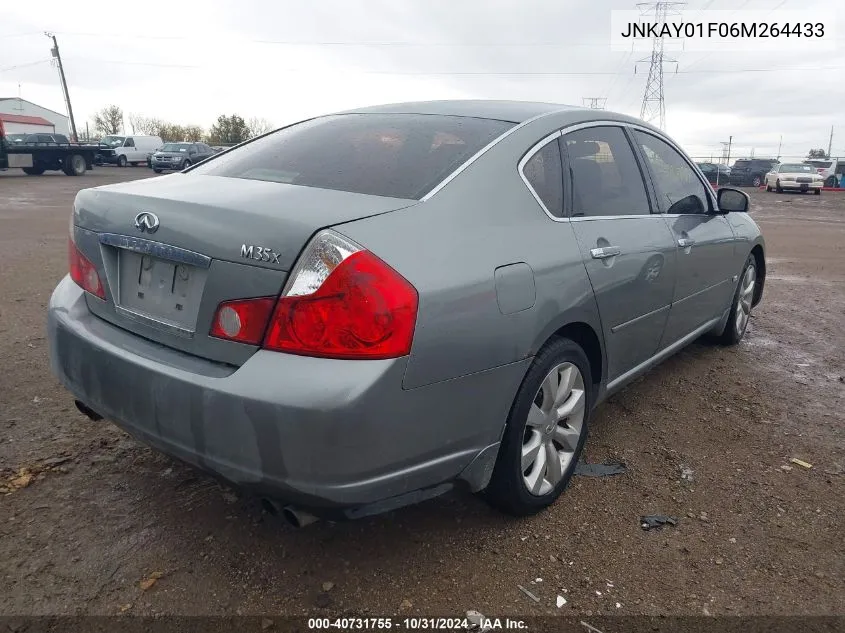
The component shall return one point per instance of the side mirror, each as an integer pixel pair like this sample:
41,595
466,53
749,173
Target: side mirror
732,200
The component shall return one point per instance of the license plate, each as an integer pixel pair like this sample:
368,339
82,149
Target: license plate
804,187
160,289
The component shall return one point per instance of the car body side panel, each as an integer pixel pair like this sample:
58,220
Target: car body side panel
465,232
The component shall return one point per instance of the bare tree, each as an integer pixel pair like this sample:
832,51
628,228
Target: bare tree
145,125
257,126
109,120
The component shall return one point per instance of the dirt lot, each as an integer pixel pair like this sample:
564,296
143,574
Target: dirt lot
757,534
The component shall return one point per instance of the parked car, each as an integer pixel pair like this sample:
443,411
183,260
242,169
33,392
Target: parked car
179,156
127,150
794,176
715,173
828,169
751,171
365,309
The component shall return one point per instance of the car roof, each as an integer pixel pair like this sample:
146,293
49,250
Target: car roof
513,111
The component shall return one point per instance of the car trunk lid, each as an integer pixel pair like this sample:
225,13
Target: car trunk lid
169,250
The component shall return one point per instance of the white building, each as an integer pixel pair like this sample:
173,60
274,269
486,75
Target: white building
20,116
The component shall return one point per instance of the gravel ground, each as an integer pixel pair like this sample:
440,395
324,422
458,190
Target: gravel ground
105,525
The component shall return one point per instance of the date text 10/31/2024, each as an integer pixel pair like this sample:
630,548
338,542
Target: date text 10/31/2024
415,623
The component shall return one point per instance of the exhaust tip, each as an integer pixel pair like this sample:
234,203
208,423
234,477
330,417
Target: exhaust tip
87,411
294,516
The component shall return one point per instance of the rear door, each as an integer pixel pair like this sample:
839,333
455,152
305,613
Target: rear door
626,246
703,239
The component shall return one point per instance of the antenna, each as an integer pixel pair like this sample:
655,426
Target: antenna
654,105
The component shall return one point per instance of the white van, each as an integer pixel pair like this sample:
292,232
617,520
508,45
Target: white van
128,150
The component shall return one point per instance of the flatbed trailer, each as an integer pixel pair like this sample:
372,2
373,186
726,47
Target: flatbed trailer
73,159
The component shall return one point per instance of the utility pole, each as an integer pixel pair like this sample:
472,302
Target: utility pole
726,150
830,142
594,103
654,106
55,53
780,144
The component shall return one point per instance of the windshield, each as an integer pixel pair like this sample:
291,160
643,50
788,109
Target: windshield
820,164
16,138
176,147
393,155
801,169
113,141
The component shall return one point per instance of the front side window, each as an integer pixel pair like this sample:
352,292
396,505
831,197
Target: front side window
393,155
129,143
678,187
606,180
545,176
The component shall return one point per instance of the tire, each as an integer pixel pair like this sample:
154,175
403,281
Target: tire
185,164
157,170
756,181
743,298
33,171
817,192
509,485
777,187
768,187
121,161
74,165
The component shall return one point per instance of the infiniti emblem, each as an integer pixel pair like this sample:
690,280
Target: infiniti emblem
146,222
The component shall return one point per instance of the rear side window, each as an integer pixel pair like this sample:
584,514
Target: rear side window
678,186
606,180
545,176
394,155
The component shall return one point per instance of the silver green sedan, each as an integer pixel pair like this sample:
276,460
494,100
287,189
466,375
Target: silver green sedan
363,310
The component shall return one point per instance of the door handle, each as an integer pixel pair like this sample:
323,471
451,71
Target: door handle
604,252
685,242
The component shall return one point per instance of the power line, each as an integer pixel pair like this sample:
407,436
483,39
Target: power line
40,61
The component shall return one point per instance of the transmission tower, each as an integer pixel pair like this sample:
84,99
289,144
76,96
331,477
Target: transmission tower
654,106
594,103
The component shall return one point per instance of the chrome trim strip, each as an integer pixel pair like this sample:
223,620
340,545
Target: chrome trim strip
622,326
484,150
156,249
521,166
587,218
661,355
695,294
155,323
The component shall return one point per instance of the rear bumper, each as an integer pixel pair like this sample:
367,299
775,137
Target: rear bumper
319,433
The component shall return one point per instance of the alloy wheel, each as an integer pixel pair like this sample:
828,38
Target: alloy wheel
746,295
553,429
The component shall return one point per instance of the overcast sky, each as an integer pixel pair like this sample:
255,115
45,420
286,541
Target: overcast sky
284,60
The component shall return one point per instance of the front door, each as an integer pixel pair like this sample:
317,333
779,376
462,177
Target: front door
703,239
627,249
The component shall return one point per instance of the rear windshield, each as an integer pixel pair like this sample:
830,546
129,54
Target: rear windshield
795,168
394,155
822,164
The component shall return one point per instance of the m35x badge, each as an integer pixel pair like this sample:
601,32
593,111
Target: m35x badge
260,253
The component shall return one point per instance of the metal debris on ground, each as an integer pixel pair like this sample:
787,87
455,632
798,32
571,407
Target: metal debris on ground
560,601
528,593
800,462
589,627
608,469
687,473
656,521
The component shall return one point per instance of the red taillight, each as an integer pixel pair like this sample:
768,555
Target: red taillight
83,272
363,309
243,321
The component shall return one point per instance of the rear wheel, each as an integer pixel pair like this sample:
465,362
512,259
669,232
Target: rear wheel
33,171
74,165
545,431
817,192
777,187
740,312
186,163
121,161
757,181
